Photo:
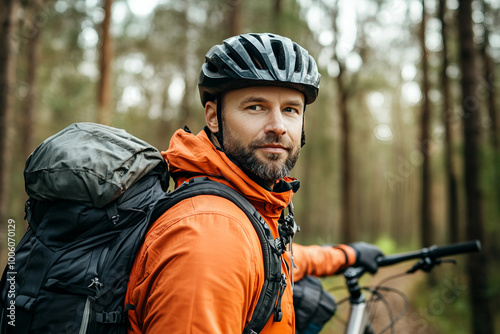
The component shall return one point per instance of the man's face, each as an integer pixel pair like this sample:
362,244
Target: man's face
262,129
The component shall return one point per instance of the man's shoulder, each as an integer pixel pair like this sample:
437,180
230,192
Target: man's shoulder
203,205
211,224
199,213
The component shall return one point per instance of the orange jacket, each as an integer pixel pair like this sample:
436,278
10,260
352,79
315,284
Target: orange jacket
200,269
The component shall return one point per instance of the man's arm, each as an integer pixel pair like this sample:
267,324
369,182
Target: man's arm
327,260
321,260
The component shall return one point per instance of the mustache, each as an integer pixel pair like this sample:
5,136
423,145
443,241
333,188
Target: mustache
271,138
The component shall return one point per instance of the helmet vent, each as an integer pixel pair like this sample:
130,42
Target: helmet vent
238,60
298,58
211,66
310,65
257,36
279,54
255,55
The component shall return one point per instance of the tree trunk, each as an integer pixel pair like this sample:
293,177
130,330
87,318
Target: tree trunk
482,320
277,17
104,97
185,108
347,224
489,71
348,230
8,46
452,193
33,60
234,27
277,7
489,76
489,91
425,141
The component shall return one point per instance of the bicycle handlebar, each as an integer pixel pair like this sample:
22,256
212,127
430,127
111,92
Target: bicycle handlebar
431,252
359,320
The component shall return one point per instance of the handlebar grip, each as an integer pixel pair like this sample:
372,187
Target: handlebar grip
433,252
464,247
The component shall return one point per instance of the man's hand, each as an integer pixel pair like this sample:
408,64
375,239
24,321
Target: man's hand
366,256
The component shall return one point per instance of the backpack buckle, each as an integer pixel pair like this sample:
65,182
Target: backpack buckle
108,317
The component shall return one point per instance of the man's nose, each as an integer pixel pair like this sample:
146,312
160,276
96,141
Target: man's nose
275,122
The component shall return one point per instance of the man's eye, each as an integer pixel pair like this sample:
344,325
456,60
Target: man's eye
255,107
290,109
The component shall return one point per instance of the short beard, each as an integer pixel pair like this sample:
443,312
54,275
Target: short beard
246,158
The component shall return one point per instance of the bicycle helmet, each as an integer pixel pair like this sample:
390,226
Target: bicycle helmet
258,60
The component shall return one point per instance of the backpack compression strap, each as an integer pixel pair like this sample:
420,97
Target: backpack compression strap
269,301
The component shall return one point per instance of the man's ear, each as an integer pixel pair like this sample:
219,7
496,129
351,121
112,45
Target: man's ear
211,116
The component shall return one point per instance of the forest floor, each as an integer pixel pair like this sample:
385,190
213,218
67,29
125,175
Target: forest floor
414,321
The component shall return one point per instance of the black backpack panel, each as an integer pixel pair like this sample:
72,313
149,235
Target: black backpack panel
73,269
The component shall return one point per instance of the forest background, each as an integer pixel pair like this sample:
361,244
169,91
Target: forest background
402,144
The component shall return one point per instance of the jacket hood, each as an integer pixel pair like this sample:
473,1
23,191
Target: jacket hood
192,155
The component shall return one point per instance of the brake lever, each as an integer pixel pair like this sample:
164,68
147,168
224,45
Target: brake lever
427,264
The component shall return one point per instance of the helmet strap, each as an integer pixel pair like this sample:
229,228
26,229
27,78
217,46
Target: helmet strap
219,120
303,135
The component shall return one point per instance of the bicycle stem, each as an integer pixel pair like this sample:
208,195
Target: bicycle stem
352,276
358,318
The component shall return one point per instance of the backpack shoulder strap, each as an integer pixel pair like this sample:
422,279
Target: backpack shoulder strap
269,301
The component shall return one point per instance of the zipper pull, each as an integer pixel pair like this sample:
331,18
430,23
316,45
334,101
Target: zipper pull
96,285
